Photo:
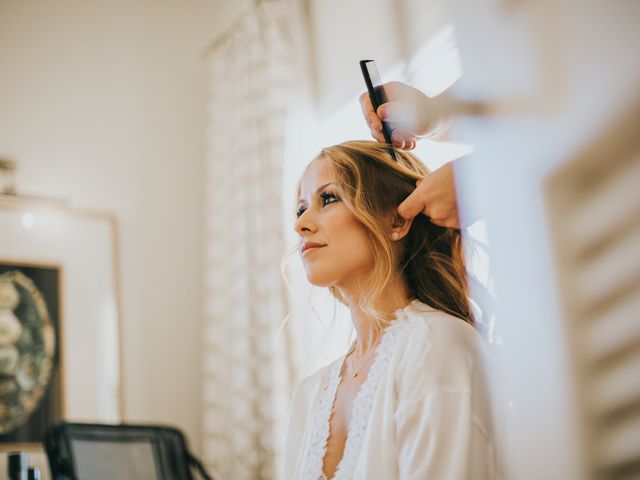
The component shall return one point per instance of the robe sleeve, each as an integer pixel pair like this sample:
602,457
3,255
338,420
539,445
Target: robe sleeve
439,435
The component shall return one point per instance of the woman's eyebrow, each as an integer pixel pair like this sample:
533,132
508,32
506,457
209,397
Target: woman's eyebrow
322,187
318,190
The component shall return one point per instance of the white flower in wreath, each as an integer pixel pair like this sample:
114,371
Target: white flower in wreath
49,340
28,373
8,361
9,296
10,328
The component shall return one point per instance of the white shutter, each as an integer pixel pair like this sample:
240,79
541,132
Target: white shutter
594,205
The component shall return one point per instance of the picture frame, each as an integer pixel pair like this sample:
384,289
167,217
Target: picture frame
30,345
82,246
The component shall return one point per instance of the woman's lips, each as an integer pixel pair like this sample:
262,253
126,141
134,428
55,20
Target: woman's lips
307,249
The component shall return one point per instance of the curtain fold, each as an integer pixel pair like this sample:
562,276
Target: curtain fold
247,373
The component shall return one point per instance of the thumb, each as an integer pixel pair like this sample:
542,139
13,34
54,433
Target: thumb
393,112
412,205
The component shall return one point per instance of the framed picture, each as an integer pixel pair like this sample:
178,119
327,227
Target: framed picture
59,320
30,344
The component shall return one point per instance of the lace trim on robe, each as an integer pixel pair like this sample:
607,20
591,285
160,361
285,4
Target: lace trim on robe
320,427
360,409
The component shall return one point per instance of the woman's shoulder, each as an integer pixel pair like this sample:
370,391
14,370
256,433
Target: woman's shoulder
435,344
425,323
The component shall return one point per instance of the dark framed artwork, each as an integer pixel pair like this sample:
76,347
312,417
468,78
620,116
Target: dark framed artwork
60,275
30,360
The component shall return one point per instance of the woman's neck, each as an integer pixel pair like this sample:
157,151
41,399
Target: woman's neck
393,297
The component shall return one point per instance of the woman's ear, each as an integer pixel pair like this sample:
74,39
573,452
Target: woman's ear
399,226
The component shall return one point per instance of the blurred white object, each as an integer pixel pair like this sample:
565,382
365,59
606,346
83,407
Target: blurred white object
594,203
557,74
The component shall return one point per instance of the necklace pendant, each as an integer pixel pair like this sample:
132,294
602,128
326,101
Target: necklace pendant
355,374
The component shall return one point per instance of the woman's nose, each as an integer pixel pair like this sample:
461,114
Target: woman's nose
304,224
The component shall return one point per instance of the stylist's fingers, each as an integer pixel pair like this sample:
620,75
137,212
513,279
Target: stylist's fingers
394,112
450,222
417,203
435,197
375,125
403,138
413,204
368,113
397,140
379,136
373,122
365,102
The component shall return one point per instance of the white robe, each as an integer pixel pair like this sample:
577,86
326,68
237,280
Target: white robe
422,413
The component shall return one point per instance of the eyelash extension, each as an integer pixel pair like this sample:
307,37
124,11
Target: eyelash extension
326,196
327,199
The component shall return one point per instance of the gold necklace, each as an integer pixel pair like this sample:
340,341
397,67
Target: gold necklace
364,364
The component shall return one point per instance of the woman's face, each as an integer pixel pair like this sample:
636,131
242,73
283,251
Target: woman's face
334,245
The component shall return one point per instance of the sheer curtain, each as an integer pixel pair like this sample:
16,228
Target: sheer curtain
247,373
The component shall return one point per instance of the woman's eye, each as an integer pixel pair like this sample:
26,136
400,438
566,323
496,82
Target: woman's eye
300,211
328,198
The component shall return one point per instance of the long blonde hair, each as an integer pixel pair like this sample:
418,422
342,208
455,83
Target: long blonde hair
430,258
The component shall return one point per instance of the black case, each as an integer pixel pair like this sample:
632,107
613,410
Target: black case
171,457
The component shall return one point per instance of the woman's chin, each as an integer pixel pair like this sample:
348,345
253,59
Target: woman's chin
319,283
318,280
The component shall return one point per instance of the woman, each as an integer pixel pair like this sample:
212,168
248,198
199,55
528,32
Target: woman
408,400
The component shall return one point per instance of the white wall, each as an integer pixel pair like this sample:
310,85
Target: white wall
103,103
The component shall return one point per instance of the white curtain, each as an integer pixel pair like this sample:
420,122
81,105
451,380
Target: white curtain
247,373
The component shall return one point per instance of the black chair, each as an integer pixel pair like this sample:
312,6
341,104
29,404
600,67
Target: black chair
82,451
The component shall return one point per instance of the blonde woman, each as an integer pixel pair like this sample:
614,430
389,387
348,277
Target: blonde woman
408,400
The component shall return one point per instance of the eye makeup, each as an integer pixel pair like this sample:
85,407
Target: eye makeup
327,197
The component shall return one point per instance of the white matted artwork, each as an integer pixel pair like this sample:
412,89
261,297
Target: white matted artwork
84,245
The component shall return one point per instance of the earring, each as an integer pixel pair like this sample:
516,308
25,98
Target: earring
395,236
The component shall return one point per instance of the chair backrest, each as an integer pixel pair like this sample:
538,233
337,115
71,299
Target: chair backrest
80,451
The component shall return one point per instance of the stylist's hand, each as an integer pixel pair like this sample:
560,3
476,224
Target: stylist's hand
410,112
435,197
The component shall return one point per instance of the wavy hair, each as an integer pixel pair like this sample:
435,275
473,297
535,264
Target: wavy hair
429,257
